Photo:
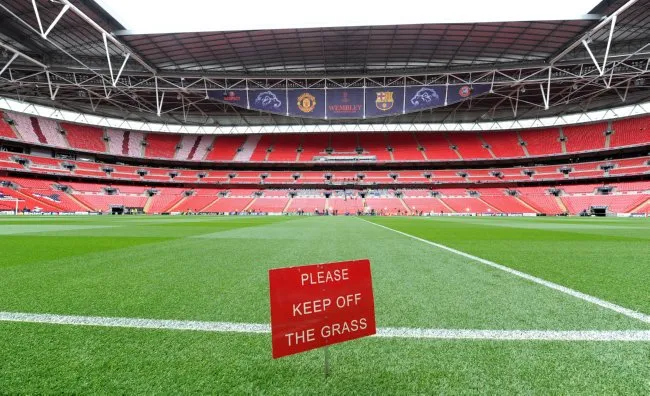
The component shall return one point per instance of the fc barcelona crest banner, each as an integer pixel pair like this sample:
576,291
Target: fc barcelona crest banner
342,103
384,101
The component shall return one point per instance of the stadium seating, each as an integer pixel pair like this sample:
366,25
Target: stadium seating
116,142
308,205
5,128
313,144
50,130
385,205
269,204
506,204
436,147
229,205
103,203
468,205
200,150
426,205
39,193
504,144
630,132
161,145
343,143
84,137
350,204
188,143
262,148
587,137
224,148
134,144
25,128
469,146
614,203
542,141
404,146
375,144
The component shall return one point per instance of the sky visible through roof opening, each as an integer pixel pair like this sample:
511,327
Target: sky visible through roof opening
156,16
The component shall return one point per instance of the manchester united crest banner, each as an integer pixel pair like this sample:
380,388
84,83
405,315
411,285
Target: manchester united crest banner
307,103
356,102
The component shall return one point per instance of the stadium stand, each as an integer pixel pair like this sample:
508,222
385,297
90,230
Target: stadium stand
589,137
404,146
84,137
161,145
630,132
5,129
224,148
469,146
313,145
542,142
504,144
436,147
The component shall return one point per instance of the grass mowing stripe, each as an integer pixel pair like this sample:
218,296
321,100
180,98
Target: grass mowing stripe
574,293
387,332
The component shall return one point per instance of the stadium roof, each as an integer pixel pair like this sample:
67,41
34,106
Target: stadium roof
59,49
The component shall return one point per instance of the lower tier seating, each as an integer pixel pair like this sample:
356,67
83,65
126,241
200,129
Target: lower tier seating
42,195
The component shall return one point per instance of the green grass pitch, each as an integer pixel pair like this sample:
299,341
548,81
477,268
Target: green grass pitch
215,269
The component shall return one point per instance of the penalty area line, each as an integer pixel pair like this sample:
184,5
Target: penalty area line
563,289
386,332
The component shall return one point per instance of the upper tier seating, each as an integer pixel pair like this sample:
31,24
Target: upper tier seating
375,144
504,144
292,147
25,128
542,141
405,147
436,147
5,128
84,137
188,144
116,142
50,130
587,137
631,131
161,145
344,143
469,145
262,148
224,148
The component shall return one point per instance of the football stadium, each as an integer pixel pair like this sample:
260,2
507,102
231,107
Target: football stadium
341,198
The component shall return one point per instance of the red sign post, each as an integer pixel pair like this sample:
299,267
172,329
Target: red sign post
318,305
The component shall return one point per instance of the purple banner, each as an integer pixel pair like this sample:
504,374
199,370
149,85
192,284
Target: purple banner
340,103
236,97
271,100
459,92
381,102
345,103
424,97
307,103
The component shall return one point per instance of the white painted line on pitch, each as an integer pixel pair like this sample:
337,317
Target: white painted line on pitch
387,332
586,297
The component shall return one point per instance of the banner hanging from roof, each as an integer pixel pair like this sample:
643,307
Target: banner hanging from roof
357,102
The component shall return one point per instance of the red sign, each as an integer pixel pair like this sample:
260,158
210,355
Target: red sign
318,305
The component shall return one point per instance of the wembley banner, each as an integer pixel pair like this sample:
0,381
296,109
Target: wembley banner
357,102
